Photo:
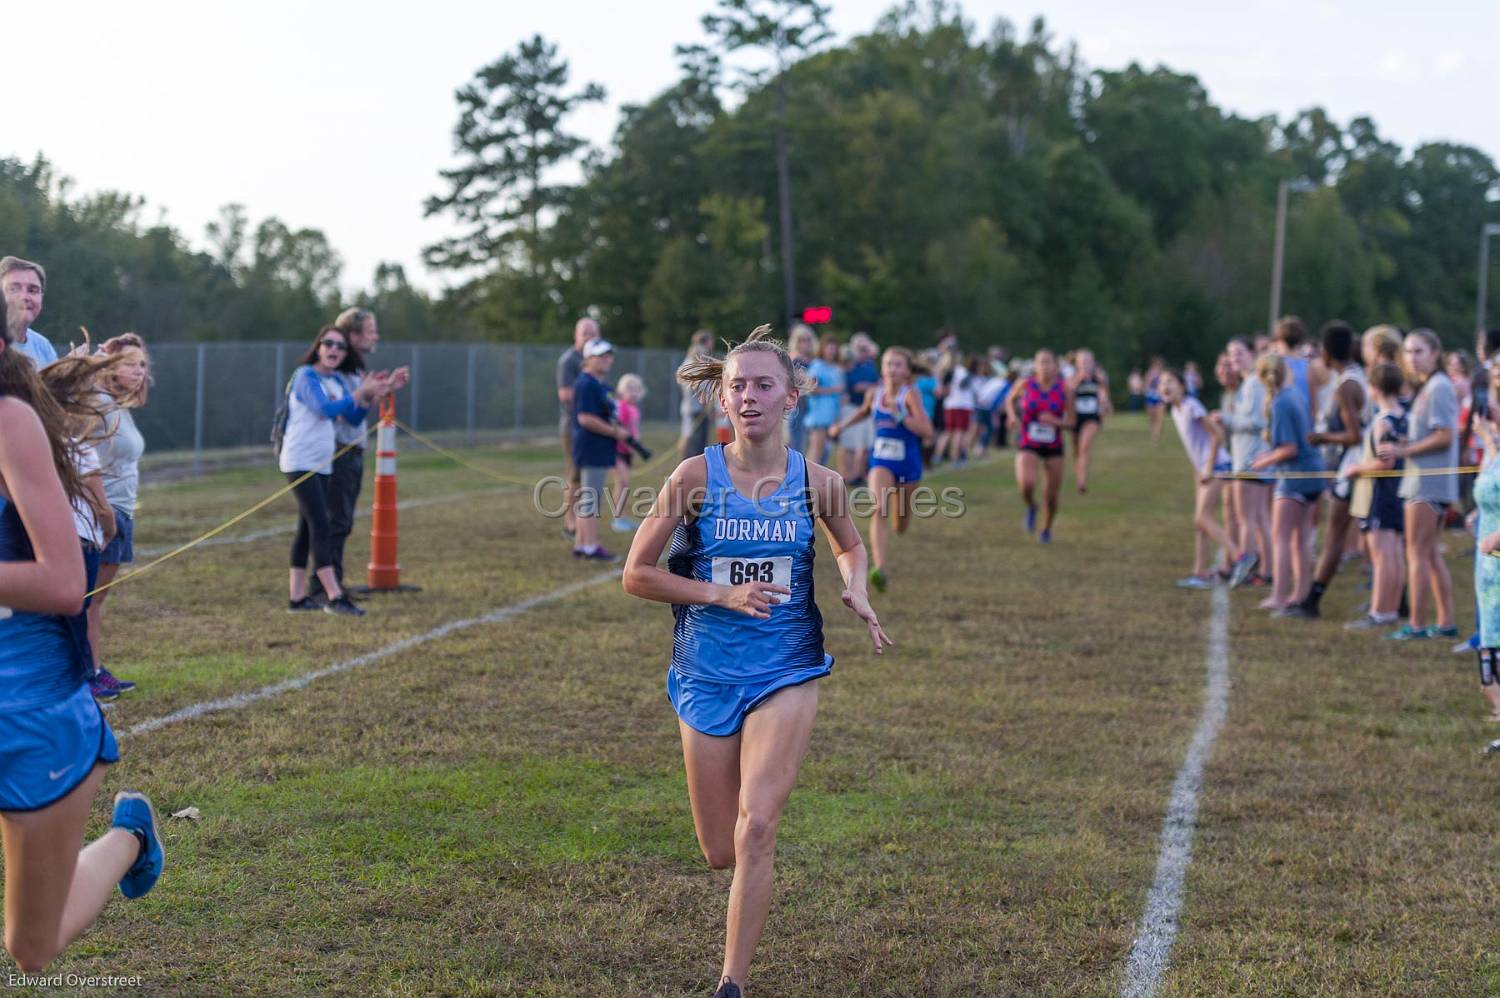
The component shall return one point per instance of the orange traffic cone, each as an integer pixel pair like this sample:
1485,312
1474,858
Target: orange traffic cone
385,572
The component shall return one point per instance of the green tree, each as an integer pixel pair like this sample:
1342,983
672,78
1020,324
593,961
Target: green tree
783,30
510,135
1164,143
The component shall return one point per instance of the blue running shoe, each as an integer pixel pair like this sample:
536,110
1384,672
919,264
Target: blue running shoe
1046,537
1243,568
1408,633
1031,519
1442,632
134,813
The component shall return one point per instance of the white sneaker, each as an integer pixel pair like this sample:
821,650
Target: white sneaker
623,525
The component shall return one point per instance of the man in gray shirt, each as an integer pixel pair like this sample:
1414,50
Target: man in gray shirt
569,367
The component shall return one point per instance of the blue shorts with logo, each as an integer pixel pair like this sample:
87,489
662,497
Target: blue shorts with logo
720,708
46,752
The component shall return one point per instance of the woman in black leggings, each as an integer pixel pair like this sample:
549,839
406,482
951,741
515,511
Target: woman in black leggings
317,398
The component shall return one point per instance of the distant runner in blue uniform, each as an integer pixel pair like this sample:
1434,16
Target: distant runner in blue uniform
747,648
901,424
54,742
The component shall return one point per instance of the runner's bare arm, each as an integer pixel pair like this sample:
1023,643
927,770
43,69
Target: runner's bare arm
916,415
848,550
54,582
853,417
644,577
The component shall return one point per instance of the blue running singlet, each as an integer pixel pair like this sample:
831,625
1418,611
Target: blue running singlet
42,656
733,541
897,448
51,731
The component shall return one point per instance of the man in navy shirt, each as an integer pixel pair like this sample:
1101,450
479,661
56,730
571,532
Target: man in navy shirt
595,434
569,366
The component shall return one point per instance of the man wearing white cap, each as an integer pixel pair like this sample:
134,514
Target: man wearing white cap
595,434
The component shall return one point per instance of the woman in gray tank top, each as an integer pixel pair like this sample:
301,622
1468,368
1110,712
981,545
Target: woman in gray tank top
1432,445
120,453
1244,418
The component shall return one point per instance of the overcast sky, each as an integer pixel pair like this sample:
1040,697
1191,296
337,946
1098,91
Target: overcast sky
337,115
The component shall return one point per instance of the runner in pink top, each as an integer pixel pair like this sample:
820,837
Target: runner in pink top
1042,409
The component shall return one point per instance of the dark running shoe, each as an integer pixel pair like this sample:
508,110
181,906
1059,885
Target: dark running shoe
343,607
104,679
101,692
1297,611
599,554
728,989
304,605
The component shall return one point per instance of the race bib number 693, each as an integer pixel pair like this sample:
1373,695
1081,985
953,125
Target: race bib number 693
738,571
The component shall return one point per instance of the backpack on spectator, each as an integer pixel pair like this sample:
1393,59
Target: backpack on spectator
283,413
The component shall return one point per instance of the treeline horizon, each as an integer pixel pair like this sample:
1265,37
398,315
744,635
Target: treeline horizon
939,178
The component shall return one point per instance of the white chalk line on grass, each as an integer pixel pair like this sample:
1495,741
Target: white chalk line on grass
1152,949
287,528
241,700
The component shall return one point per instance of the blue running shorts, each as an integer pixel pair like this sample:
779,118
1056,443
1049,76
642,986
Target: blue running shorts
720,708
46,752
904,472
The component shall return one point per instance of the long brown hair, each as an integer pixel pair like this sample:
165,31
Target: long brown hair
704,376
118,345
65,397
347,365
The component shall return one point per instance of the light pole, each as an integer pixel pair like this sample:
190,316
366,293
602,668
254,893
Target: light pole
1278,254
1492,229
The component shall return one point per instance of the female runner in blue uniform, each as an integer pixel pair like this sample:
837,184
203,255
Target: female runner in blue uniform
747,647
901,424
54,742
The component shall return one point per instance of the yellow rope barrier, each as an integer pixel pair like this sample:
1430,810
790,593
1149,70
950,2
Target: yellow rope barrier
497,476
284,490
181,549
450,455
1259,476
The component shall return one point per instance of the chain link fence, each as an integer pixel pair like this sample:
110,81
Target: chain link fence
211,396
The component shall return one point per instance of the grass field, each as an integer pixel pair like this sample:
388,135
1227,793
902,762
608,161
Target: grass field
502,811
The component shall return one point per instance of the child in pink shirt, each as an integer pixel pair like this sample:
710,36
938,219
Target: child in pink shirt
629,391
